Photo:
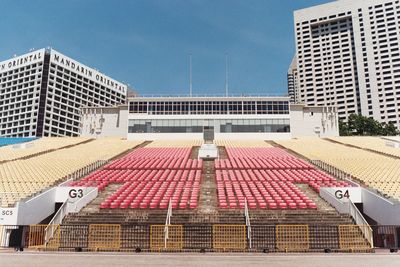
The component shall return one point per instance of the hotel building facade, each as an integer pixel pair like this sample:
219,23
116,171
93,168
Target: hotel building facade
41,94
348,56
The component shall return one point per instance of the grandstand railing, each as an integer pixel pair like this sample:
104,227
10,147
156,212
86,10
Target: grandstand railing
167,223
207,95
362,223
340,206
348,178
63,211
82,202
54,224
214,237
248,225
352,210
76,175
334,171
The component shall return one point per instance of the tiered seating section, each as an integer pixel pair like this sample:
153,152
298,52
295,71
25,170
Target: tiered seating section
150,177
37,146
266,177
368,142
5,141
25,177
372,169
242,143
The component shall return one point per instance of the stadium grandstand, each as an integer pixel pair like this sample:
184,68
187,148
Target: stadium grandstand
252,185
112,194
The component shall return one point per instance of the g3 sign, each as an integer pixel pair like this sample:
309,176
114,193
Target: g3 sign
339,194
75,193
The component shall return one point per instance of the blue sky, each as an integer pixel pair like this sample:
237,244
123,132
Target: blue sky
146,43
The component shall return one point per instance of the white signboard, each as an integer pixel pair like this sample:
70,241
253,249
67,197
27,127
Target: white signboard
72,194
346,193
8,216
87,72
21,61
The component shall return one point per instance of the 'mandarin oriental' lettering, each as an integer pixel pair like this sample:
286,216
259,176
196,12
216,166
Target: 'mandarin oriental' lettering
20,61
86,71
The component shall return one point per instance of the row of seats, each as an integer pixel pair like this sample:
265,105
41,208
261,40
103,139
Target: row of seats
6,141
248,152
158,153
150,178
175,143
104,177
38,146
241,143
370,142
157,164
261,163
25,177
374,170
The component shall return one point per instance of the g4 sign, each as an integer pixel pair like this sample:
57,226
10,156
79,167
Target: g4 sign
75,193
339,194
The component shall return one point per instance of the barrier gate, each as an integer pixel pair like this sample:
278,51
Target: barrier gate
350,238
229,237
217,237
292,237
104,237
37,235
164,237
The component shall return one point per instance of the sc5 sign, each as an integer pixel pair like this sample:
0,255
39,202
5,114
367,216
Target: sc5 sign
6,212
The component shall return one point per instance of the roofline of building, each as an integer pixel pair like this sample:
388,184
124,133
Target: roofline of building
206,97
106,107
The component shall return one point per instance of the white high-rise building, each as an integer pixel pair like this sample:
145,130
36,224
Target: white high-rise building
292,81
348,56
41,94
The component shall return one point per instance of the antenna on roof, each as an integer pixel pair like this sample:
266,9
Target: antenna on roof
226,75
190,75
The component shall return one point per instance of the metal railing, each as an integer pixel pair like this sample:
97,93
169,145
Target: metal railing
167,223
215,237
55,222
207,95
362,223
86,170
63,211
334,171
248,225
339,205
349,178
82,202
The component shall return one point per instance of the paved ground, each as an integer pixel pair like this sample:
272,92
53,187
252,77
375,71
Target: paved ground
33,259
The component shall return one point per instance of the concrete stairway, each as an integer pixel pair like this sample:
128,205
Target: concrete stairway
208,192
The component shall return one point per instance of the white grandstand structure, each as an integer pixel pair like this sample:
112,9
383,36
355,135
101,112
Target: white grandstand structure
303,194
208,117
